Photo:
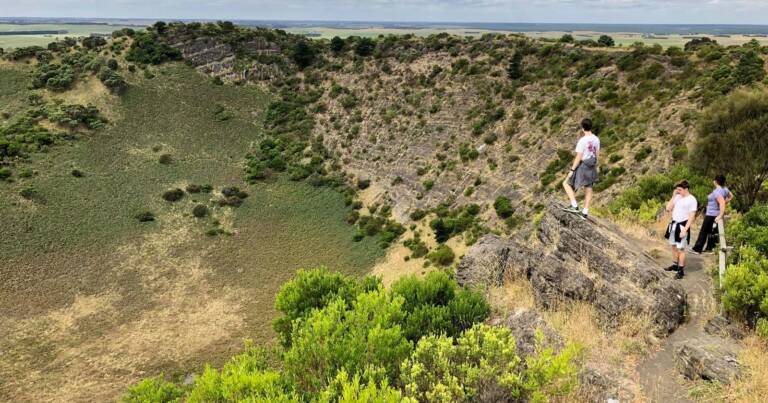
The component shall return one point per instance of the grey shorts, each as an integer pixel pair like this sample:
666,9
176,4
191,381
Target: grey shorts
679,245
585,174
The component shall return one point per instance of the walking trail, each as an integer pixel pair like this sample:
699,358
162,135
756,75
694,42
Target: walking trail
659,378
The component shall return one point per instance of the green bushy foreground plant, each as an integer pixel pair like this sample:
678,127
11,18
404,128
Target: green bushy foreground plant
350,340
745,284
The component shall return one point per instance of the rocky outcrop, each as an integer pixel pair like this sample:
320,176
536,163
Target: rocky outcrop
525,325
215,58
581,260
722,327
707,360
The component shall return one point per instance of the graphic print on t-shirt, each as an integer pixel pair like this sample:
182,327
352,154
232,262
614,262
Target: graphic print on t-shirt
588,146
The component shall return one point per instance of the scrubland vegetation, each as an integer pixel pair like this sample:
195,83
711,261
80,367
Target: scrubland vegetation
346,339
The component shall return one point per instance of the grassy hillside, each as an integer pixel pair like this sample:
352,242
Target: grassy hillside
91,297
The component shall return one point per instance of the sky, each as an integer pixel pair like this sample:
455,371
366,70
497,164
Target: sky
561,11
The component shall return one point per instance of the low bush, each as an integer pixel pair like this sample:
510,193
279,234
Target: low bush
751,229
5,173
145,216
745,285
417,246
148,49
442,255
452,222
503,207
153,390
483,362
173,195
200,211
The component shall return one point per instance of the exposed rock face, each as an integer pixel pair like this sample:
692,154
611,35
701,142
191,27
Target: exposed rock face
703,359
721,326
524,325
217,59
585,261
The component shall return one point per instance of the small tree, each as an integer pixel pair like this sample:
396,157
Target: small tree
751,68
337,44
303,54
567,38
606,41
365,47
732,140
515,69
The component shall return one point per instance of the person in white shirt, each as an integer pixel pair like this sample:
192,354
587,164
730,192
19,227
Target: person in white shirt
583,169
683,207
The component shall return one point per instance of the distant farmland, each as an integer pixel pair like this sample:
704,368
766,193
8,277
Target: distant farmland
18,35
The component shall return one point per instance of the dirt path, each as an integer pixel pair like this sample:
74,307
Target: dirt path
659,379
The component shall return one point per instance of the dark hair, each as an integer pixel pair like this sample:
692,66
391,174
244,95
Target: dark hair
720,179
586,124
682,184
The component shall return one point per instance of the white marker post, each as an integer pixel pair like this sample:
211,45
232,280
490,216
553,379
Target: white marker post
723,255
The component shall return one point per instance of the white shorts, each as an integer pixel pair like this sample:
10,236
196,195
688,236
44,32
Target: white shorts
679,245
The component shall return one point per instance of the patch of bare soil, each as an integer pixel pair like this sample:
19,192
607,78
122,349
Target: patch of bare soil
88,350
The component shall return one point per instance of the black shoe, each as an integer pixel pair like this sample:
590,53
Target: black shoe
674,267
680,274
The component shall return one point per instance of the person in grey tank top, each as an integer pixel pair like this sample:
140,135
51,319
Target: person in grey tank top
716,202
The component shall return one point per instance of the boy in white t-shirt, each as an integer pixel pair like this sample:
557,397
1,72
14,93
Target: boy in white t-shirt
683,207
583,169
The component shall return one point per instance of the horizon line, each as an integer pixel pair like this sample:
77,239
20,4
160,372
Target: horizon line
185,19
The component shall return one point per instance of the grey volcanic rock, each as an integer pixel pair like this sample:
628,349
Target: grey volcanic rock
524,324
705,359
721,326
490,260
585,261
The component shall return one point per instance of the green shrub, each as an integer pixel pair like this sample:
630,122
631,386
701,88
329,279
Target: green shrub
442,255
165,159
751,229
313,289
113,80
353,338
564,157
345,390
417,246
145,216
173,195
5,173
437,305
503,207
483,362
56,77
148,49
246,377
153,390
200,211
745,285
643,153
452,222
658,188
